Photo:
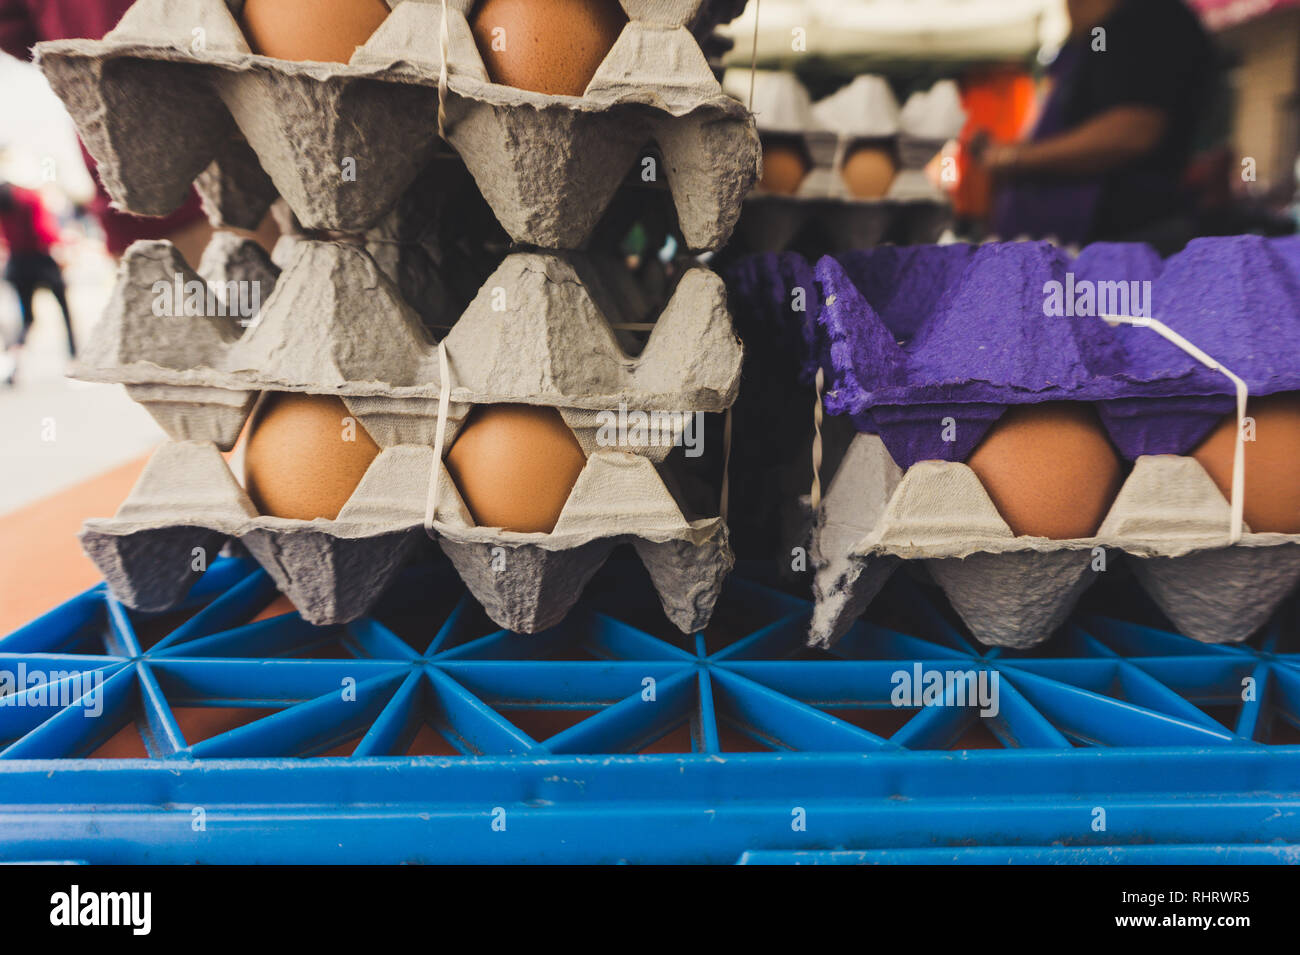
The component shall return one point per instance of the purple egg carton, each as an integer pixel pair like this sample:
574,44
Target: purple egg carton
909,337
927,346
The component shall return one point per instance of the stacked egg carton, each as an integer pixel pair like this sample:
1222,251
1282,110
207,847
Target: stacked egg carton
158,109
862,114
925,348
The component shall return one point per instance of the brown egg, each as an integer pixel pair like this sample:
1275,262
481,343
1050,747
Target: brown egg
1050,470
1272,490
869,172
784,167
305,456
325,31
547,46
514,466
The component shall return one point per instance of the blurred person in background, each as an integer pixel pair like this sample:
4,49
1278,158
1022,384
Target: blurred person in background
23,23
30,234
1107,157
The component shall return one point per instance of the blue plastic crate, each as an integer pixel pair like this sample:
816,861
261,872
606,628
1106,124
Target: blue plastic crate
440,737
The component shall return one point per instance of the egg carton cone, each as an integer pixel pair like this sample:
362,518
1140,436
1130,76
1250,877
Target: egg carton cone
187,503
186,313
864,113
1222,595
540,334
1016,591
159,99
550,165
781,103
437,244
336,325
928,120
529,582
864,109
236,192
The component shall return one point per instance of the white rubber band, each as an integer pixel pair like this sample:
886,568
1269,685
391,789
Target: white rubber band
444,46
1243,392
753,57
816,495
440,437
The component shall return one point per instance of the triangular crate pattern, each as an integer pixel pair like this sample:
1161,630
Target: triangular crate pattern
337,324
236,674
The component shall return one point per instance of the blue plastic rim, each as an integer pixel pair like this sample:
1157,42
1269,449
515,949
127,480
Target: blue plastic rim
182,737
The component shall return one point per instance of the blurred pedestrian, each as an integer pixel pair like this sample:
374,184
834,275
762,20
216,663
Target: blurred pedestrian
30,233
24,23
1107,158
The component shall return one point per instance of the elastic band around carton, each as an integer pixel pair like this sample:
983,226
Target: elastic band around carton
440,437
1243,392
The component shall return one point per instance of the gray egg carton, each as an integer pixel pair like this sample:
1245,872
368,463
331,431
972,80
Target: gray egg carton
914,212
173,94
1169,517
535,334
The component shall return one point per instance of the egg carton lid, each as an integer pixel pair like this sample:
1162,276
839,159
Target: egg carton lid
334,570
335,324
1118,262
865,108
1020,588
781,103
974,335
934,114
156,98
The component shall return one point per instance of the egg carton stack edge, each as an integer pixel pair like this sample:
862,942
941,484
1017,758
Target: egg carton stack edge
1012,591
550,346
769,223
158,112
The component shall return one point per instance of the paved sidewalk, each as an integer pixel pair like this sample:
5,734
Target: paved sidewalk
55,432
41,561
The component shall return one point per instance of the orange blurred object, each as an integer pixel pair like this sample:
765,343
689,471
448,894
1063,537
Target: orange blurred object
1001,102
